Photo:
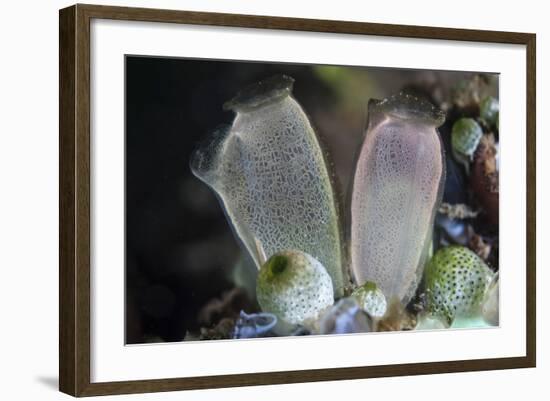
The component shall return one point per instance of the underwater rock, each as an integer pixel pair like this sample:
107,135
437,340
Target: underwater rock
346,316
270,173
294,286
456,281
468,93
371,299
222,330
254,325
397,318
497,157
396,191
477,244
228,305
484,179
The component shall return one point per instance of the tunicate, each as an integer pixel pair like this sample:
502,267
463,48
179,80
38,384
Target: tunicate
271,175
396,191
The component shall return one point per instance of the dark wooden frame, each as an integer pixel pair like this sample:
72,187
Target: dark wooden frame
74,203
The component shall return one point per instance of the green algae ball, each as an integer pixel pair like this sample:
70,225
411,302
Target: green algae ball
465,137
371,299
456,281
489,110
294,286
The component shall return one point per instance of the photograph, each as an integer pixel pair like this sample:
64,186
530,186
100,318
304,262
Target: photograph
275,199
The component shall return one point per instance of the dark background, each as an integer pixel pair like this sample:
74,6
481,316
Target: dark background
180,251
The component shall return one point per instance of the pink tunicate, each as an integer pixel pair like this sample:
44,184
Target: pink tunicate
396,191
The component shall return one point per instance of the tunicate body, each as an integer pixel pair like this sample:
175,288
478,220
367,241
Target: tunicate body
271,175
397,188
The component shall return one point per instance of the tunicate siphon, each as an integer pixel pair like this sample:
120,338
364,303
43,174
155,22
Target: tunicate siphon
271,175
397,188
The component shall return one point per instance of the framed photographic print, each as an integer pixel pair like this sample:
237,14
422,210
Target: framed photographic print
251,200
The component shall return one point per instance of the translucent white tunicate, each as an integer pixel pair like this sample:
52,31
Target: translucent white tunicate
396,190
271,176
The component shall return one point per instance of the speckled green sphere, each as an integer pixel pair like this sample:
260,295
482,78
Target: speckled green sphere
489,110
294,286
371,299
456,281
465,137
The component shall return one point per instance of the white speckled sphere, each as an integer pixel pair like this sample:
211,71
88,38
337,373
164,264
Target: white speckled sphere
294,286
371,299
